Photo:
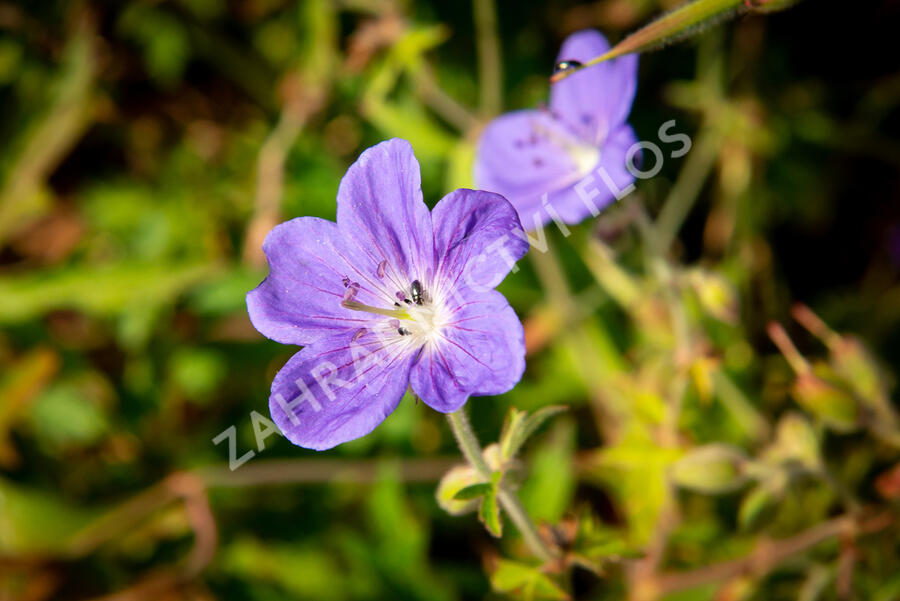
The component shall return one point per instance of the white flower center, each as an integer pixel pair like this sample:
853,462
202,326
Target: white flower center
415,319
584,156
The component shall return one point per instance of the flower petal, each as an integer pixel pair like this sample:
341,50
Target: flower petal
477,239
482,352
380,208
338,389
594,101
516,159
599,188
300,301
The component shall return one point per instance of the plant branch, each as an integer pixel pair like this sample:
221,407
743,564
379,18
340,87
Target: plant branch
490,70
768,554
471,450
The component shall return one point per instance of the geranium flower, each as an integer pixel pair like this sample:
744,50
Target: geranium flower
565,162
389,296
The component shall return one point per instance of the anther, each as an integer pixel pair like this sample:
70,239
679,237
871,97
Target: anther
350,292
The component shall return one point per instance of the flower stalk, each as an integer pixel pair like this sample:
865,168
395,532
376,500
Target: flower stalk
471,450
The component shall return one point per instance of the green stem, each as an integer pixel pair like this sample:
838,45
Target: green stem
686,190
490,69
471,450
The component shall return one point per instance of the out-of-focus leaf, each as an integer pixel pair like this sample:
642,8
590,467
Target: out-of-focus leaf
548,490
64,414
400,547
46,141
635,469
795,441
301,571
713,469
197,372
827,402
525,582
164,41
97,291
406,118
224,295
716,296
19,387
596,544
760,504
35,521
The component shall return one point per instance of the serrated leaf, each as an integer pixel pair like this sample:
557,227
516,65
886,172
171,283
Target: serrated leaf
473,491
525,581
489,514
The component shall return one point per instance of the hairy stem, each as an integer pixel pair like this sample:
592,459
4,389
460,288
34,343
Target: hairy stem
471,450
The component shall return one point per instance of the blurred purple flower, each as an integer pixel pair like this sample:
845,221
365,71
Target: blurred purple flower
565,162
389,296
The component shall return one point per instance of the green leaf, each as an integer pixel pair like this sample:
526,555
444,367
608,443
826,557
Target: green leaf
525,581
455,480
830,403
760,504
714,468
548,491
520,426
38,521
473,491
303,571
489,514
97,291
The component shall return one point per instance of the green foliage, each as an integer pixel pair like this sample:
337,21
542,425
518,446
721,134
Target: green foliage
150,146
525,581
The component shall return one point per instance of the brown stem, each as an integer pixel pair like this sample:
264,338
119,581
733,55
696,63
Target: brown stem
768,554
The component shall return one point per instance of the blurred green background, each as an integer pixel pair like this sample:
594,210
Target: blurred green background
149,146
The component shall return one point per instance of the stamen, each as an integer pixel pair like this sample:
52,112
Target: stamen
350,292
403,331
357,306
381,267
359,334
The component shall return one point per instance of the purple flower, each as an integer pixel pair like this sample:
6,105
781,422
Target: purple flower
389,296
565,162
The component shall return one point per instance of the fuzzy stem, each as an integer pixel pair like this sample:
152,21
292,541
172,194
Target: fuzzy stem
471,450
